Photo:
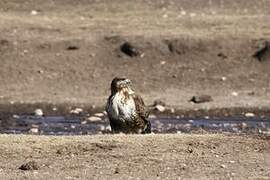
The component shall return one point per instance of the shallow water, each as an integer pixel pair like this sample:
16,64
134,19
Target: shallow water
60,125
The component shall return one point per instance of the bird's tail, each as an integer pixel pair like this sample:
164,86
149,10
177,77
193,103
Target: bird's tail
147,127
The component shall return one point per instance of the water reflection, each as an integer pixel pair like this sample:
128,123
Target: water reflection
60,125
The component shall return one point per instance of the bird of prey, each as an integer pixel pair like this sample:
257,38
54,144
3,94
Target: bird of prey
126,110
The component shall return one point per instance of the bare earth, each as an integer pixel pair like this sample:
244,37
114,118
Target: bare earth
66,52
209,40
136,157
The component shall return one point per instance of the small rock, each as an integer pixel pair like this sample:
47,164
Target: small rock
160,108
33,130
94,119
223,166
38,112
83,122
15,116
222,55
243,125
249,115
251,93
234,94
32,165
72,126
201,99
73,47
34,12
76,111
162,62
263,54
130,50
54,108
99,114
189,150
223,78
40,71
117,170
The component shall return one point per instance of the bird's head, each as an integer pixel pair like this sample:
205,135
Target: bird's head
120,84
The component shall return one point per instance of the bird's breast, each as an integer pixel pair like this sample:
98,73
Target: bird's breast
123,107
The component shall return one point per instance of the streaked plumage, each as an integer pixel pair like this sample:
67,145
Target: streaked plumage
126,110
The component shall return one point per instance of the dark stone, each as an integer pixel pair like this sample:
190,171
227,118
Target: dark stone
221,55
201,99
117,170
72,47
32,165
129,49
263,54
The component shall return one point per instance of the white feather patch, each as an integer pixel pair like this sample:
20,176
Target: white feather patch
122,108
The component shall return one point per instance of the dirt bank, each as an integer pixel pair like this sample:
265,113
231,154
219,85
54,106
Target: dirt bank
59,52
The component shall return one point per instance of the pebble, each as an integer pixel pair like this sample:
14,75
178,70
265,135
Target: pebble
172,110
76,111
249,115
160,108
223,78
201,99
99,114
16,116
38,112
234,93
223,166
94,119
83,122
72,126
33,130
162,62
32,165
244,125
34,12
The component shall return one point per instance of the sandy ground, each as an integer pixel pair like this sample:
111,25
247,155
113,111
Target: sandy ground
64,53
136,157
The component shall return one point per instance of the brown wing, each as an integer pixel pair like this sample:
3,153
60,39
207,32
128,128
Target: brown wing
140,107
